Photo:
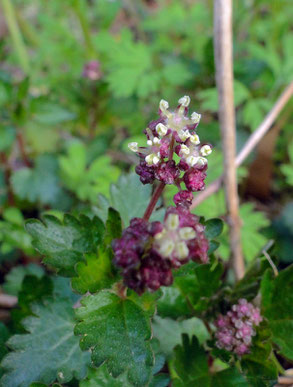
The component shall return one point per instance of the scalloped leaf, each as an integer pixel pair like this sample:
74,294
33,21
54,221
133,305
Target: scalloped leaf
64,243
118,333
49,351
98,271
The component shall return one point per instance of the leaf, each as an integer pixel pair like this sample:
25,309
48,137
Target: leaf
48,113
172,303
229,378
4,335
118,332
129,197
287,169
169,332
100,377
41,183
64,243
86,179
49,350
194,285
213,228
277,308
14,278
98,272
33,289
189,365
129,65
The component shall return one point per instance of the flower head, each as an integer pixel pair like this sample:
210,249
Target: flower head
236,329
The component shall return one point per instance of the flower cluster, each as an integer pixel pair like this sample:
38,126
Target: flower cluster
173,131
236,328
92,70
148,251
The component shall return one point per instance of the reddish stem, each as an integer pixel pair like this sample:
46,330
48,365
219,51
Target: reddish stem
22,149
159,189
153,201
7,174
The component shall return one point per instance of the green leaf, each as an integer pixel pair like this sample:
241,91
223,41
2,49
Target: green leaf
41,183
4,335
85,179
277,308
129,197
169,332
189,367
47,113
64,243
100,377
194,285
33,289
213,228
113,226
49,350
98,272
118,333
172,303
229,378
14,278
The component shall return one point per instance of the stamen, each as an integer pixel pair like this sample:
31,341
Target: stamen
184,135
195,117
194,139
166,248
187,233
133,146
184,149
182,250
184,101
205,150
161,129
172,222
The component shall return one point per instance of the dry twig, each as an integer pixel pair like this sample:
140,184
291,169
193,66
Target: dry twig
223,43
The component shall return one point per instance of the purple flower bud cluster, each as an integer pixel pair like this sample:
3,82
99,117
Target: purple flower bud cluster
173,131
147,252
92,70
142,267
236,329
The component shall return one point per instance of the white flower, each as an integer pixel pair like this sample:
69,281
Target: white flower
195,117
184,101
205,150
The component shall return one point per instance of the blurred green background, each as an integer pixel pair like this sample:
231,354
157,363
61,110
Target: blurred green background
79,79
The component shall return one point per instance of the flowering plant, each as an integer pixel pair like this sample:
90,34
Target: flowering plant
142,299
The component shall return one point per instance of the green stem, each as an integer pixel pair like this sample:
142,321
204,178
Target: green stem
27,30
277,364
16,36
85,28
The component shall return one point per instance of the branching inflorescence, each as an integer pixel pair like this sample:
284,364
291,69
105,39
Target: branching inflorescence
147,251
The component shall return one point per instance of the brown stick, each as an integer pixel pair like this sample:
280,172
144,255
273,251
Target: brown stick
251,143
223,43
